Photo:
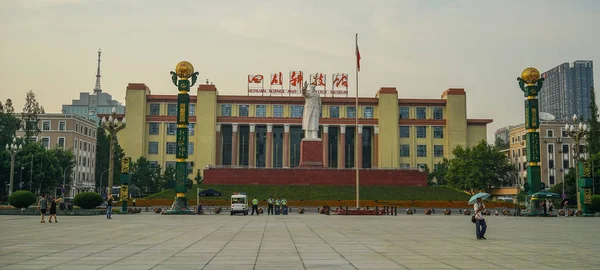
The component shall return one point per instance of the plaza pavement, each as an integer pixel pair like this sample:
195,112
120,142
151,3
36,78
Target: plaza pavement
310,241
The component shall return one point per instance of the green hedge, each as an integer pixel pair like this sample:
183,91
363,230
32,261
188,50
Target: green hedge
21,199
88,200
596,203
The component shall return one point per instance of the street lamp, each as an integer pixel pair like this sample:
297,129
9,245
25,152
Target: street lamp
113,126
577,131
65,178
101,175
13,149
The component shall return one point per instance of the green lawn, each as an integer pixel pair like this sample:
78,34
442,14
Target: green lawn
328,192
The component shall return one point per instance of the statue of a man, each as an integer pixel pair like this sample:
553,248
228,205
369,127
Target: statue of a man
312,111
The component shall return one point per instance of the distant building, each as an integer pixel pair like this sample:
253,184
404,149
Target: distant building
74,133
503,134
556,154
90,105
566,90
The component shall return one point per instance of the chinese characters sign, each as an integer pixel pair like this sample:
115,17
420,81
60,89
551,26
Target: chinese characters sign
533,147
532,120
295,81
182,143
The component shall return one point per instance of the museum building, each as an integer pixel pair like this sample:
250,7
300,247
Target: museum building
266,131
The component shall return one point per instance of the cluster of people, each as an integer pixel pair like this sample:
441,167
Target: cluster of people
275,206
43,206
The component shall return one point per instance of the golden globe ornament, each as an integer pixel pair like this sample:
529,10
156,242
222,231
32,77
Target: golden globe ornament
184,70
530,75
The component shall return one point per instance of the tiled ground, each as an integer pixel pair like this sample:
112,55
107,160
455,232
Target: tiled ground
149,241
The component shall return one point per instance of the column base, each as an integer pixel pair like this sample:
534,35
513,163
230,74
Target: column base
179,207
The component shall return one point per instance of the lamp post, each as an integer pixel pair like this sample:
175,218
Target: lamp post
101,175
183,70
13,149
531,84
577,131
65,178
112,126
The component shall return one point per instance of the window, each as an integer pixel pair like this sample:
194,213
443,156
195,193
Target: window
404,132
551,164
551,179
62,125
421,132
421,112
61,142
518,152
153,164
438,132
46,142
551,148
171,146
550,133
277,110
191,128
438,113
404,112
76,143
170,164
334,112
438,150
154,128
190,148
192,109
45,125
297,110
225,109
172,109
350,112
243,110
565,148
405,166
85,131
368,112
405,150
171,128
422,166
564,133
154,109
261,110
566,164
152,147
421,150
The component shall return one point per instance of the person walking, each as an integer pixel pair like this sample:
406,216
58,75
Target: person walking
109,205
53,209
566,207
270,201
254,206
277,206
480,226
550,206
43,206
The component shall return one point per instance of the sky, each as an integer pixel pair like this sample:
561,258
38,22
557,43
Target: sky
420,47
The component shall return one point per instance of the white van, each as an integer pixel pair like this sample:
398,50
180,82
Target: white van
239,203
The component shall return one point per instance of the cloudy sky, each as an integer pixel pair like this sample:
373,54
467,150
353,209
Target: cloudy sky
419,47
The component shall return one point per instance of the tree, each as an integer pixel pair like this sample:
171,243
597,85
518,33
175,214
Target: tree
199,179
168,178
440,172
593,138
30,113
501,144
478,168
9,124
103,156
145,176
570,186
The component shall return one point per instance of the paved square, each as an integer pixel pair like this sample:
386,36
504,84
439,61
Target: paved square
149,241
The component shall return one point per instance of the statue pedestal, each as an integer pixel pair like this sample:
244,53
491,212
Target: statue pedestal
311,153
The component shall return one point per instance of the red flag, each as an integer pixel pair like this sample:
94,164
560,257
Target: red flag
357,57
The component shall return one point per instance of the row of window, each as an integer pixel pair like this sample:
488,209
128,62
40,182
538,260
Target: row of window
45,141
438,150
438,132
154,128
62,126
86,110
421,113
296,111
549,134
171,109
170,149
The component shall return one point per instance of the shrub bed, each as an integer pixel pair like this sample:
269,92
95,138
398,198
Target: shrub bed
88,200
595,207
21,199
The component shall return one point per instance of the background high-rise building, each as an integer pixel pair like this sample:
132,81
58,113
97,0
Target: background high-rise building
90,105
566,90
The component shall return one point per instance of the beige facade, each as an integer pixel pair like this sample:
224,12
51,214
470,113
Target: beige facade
556,154
74,133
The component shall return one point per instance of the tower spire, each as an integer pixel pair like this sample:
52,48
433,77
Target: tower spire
97,89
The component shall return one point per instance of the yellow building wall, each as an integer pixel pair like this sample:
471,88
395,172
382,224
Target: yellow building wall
132,139
475,134
206,128
456,121
388,152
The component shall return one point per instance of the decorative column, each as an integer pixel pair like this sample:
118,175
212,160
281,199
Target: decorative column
13,149
252,146
125,178
342,148
358,144
376,146
325,139
183,70
269,154
234,144
218,146
286,145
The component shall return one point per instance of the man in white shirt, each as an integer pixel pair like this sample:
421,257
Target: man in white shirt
480,225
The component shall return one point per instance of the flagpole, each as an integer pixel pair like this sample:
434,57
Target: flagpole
356,128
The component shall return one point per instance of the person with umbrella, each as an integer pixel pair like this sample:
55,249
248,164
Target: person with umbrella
479,207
